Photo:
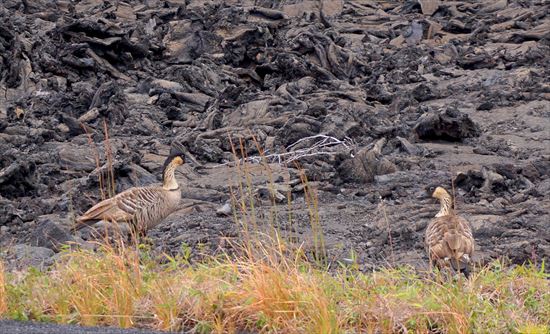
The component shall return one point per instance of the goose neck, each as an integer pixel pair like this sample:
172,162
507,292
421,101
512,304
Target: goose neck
169,181
446,206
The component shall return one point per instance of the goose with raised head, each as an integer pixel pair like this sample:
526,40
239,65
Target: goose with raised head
448,236
141,207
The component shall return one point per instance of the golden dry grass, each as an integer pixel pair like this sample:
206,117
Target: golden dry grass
268,285
270,290
3,302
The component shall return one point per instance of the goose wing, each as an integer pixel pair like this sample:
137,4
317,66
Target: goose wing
450,237
464,230
434,239
122,208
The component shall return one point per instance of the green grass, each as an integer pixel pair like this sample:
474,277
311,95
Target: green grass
270,290
269,285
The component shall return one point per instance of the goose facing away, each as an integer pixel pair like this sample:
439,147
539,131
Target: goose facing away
141,207
449,236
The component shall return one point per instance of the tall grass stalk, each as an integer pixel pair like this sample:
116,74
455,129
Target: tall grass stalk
97,160
388,227
3,301
106,182
265,286
276,292
109,158
312,203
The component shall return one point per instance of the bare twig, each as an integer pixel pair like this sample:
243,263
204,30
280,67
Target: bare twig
383,207
322,145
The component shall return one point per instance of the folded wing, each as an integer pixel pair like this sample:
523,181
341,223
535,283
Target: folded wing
124,207
450,238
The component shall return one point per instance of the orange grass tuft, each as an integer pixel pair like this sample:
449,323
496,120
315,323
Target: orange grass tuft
267,284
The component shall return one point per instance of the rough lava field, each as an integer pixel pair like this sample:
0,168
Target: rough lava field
408,95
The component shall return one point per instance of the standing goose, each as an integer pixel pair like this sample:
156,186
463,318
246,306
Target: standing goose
141,207
449,236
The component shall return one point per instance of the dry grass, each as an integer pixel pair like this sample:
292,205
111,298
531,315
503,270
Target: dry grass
105,174
269,285
270,290
3,301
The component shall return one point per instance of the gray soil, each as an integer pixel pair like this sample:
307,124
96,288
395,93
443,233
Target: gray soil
29,327
413,95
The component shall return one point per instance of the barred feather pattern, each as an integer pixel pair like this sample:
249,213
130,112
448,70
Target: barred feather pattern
141,207
446,206
449,237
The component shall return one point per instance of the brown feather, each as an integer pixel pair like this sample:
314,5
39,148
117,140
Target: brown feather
108,209
141,207
449,236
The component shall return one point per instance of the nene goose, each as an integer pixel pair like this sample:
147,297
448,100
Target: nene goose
141,207
449,236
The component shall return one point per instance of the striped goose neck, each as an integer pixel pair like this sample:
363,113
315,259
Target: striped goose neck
169,181
446,206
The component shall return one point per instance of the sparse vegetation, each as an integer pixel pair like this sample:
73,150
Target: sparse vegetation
3,302
268,284
271,289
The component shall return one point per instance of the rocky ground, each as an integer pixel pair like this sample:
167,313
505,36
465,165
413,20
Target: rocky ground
408,95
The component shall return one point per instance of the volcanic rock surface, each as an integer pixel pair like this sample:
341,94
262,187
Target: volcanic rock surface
406,95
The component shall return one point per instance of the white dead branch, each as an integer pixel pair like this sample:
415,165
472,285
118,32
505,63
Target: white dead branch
306,147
